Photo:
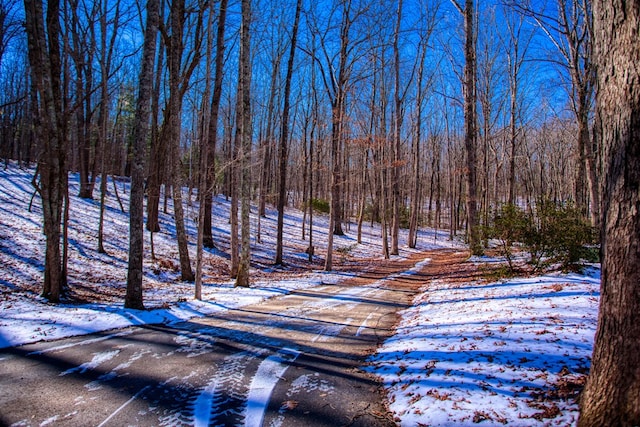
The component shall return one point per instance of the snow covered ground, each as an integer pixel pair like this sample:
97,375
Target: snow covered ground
97,281
510,352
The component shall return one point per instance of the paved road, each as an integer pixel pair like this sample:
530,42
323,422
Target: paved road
289,361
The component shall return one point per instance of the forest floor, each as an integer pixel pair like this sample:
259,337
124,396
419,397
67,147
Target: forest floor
468,345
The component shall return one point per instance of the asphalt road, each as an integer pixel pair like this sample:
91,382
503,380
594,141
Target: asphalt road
290,361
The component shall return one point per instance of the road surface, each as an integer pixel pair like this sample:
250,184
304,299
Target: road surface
289,361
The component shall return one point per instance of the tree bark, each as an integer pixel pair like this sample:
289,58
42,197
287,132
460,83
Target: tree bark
284,136
612,393
180,72
44,58
470,119
133,298
213,125
158,150
245,148
397,128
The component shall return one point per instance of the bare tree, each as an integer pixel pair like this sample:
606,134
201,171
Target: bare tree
43,37
213,124
180,71
9,24
244,125
569,29
284,134
133,298
516,47
107,44
204,127
397,132
423,84
612,393
470,123
81,47
336,72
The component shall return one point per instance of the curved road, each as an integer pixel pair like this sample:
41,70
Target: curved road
289,361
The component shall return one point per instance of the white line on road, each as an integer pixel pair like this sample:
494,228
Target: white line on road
134,397
364,324
269,372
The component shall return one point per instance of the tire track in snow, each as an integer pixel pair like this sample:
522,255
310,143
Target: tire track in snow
223,400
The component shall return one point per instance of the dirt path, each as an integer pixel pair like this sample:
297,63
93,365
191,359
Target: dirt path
289,361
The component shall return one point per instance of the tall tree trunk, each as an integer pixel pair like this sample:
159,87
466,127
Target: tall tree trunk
204,117
337,117
470,128
106,48
415,189
213,125
44,58
612,393
133,298
397,127
266,143
179,77
284,135
157,156
245,144
587,158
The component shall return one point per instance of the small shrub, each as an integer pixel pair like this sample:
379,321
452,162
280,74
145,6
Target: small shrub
510,225
552,233
345,250
321,205
561,233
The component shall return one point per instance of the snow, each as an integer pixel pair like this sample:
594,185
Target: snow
264,381
508,352
27,318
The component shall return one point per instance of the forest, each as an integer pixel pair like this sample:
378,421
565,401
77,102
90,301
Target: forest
427,113
495,122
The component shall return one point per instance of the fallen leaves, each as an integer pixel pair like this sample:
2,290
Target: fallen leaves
289,405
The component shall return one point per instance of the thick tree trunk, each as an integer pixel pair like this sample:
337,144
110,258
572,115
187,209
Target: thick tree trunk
44,58
612,394
470,136
133,298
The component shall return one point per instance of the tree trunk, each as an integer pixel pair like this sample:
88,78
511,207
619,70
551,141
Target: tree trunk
158,151
44,58
213,125
204,127
133,298
179,77
412,239
612,394
284,135
397,127
470,137
245,144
